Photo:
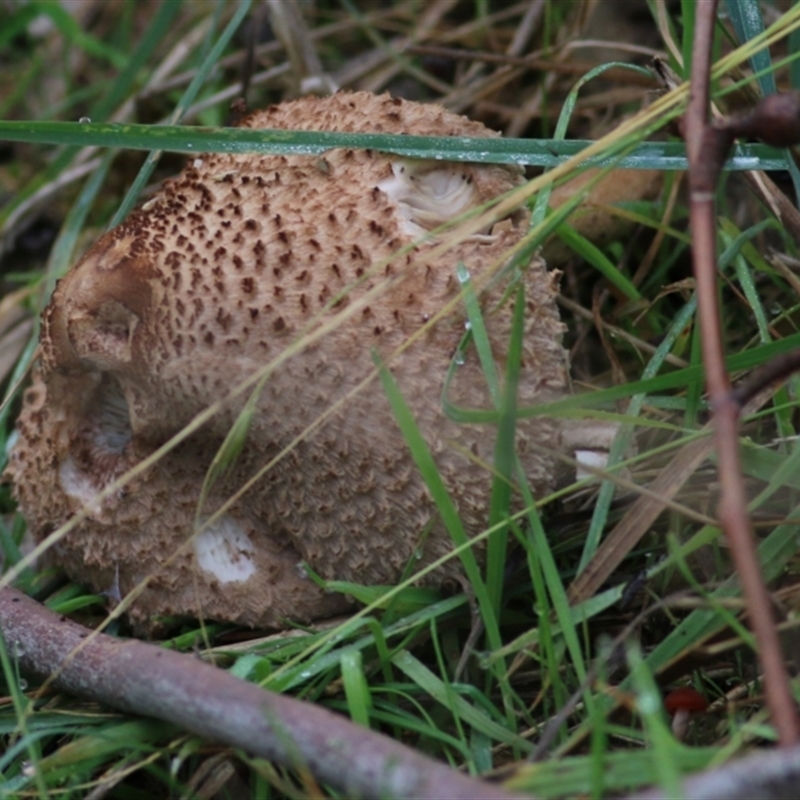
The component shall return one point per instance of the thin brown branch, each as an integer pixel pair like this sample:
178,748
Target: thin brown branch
767,775
773,373
144,679
703,145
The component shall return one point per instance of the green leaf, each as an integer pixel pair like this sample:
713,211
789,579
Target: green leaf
441,497
598,260
621,772
533,152
661,743
200,77
356,689
457,705
505,458
748,24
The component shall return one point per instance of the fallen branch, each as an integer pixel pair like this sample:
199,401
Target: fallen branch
148,680
767,775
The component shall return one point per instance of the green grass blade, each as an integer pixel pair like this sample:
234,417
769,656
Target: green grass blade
555,586
478,333
543,198
444,503
745,15
748,23
533,152
14,686
209,62
505,458
230,448
742,361
120,88
356,689
622,772
157,31
688,8
457,705
591,253
623,438
660,740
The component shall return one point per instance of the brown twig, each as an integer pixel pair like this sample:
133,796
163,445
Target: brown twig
772,373
704,143
768,775
144,679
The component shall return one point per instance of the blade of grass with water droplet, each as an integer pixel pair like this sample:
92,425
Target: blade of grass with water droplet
533,152
13,683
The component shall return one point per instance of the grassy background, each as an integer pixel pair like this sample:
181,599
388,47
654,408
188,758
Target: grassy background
586,676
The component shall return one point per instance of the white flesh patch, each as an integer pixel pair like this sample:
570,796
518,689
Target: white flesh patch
77,485
591,442
225,551
427,197
596,459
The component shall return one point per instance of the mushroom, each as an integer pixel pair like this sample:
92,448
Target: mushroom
226,266
680,704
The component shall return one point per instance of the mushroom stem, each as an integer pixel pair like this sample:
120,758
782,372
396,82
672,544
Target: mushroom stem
680,723
682,703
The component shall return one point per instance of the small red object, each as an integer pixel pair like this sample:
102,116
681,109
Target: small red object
685,699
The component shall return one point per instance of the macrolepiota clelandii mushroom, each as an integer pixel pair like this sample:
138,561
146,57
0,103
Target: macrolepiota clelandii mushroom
213,278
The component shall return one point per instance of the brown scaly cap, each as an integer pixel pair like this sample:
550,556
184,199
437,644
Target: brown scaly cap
212,279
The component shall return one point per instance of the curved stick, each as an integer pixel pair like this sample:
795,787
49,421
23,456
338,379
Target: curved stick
767,775
145,679
706,147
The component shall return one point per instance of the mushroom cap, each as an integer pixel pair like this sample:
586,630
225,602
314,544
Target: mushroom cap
685,698
214,277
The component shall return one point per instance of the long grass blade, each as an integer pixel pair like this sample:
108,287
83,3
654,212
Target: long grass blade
531,152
